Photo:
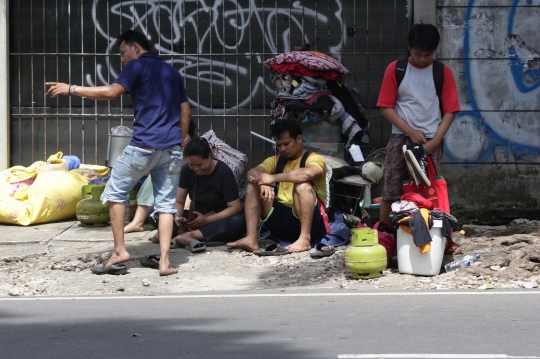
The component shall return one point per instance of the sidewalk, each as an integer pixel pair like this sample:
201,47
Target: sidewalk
54,259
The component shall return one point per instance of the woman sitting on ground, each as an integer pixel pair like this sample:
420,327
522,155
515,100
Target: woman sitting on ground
216,212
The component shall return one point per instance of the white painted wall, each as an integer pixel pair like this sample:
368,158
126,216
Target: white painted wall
4,86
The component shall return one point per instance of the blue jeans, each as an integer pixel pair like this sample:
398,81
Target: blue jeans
134,162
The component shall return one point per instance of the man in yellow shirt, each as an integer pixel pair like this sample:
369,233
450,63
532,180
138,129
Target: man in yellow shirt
295,215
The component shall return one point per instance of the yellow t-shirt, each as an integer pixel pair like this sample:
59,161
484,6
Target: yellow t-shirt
284,194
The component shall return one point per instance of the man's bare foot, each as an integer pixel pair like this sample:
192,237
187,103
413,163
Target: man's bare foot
247,243
116,258
165,267
133,227
167,270
301,245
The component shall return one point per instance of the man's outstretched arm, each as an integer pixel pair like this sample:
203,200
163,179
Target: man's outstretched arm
109,92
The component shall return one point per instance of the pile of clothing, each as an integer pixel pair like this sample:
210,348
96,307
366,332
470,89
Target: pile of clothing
309,89
414,215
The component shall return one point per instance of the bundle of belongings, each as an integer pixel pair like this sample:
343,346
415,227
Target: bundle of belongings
414,215
45,191
309,89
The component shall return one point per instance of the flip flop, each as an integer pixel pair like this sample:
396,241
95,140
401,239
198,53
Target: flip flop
115,269
273,249
322,250
195,246
150,261
175,245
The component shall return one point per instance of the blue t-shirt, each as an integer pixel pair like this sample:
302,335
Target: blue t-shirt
157,90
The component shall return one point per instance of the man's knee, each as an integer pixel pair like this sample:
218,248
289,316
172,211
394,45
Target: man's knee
304,189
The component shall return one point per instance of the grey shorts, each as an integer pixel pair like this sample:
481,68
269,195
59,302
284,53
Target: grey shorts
395,168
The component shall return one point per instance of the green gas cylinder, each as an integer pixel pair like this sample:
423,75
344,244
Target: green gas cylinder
90,211
365,258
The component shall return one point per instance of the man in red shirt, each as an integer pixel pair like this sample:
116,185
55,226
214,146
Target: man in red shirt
412,107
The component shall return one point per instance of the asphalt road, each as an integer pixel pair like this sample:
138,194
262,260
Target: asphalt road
274,325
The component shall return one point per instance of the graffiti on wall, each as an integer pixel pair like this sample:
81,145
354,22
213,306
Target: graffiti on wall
499,122
214,27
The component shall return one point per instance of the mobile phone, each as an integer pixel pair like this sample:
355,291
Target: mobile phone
191,217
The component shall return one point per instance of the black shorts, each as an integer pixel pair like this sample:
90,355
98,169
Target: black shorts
284,225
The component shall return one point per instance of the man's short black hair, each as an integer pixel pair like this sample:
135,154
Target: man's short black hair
130,37
279,128
424,37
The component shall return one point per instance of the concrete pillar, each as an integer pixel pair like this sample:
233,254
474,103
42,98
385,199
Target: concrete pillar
425,11
4,86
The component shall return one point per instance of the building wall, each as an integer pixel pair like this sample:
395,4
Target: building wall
492,150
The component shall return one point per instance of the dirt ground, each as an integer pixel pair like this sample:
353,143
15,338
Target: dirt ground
510,258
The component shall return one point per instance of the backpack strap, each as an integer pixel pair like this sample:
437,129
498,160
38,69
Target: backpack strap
438,79
304,158
401,68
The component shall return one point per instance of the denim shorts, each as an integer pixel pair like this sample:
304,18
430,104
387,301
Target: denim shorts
133,163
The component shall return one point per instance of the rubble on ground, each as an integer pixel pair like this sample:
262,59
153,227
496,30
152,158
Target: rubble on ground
510,258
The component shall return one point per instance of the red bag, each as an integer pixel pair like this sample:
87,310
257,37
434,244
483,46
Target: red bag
437,193
387,241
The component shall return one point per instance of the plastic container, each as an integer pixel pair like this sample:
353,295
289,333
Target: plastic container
115,147
410,261
464,262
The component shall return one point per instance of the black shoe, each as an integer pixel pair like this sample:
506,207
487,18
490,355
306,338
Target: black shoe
416,159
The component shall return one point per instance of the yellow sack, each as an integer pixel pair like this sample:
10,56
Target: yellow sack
52,197
57,158
20,173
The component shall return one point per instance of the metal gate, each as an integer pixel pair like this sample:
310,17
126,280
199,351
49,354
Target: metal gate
218,46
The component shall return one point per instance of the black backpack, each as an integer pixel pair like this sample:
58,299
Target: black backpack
438,75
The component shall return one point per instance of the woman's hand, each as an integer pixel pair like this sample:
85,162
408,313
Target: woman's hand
199,221
182,225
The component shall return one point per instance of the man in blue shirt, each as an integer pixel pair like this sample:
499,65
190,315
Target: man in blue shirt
162,116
